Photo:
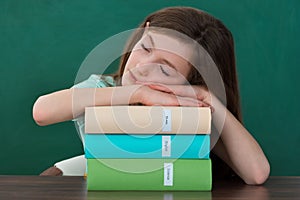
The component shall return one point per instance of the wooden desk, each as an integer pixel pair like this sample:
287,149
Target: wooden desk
36,187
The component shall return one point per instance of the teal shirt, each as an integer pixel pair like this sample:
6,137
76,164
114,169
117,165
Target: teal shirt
94,81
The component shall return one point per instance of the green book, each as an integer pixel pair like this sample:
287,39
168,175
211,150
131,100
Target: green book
149,174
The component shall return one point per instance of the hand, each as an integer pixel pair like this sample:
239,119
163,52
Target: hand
171,95
195,92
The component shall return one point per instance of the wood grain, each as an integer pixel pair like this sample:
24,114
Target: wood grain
64,187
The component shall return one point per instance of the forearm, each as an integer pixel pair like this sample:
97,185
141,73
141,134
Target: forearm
244,154
68,104
62,105
236,146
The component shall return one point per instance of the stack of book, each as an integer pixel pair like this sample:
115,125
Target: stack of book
148,148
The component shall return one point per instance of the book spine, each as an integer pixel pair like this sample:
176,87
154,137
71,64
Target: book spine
149,174
147,119
142,146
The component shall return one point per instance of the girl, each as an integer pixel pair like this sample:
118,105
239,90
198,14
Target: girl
151,75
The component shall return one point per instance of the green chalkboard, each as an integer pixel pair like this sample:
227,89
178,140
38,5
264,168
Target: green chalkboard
44,42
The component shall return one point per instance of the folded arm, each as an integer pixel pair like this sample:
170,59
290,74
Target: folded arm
67,104
235,146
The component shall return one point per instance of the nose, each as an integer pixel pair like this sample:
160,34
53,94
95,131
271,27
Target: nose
145,69
146,63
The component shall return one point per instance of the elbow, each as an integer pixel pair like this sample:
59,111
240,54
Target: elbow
39,112
260,175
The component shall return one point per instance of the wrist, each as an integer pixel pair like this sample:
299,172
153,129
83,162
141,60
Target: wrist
219,115
136,94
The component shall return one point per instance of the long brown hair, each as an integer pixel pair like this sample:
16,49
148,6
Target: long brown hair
210,33
218,42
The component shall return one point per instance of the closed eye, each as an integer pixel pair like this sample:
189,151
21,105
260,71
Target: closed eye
145,48
164,71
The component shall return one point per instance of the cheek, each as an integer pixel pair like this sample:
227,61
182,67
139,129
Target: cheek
131,62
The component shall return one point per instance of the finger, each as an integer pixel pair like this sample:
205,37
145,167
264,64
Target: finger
179,90
186,101
161,88
168,89
196,92
167,99
155,86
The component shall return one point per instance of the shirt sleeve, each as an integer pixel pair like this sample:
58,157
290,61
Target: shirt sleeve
94,81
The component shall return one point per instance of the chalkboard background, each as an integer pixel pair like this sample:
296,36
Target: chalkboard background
43,43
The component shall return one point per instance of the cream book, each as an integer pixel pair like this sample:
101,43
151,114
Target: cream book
147,120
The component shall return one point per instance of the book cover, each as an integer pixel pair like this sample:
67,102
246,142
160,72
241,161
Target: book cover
147,119
149,174
147,146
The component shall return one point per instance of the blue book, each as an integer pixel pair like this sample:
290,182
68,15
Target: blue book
146,146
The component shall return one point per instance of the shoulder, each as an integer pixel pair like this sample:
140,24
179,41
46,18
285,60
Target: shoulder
96,81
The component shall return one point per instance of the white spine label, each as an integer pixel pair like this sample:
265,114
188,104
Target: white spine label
167,120
166,146
168,174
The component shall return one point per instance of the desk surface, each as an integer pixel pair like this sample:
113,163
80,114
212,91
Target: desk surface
37,187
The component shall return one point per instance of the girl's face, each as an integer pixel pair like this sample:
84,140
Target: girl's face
157,58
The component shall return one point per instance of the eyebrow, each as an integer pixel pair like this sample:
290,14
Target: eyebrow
164,60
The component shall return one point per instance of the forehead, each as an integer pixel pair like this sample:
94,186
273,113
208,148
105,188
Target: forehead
169,44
